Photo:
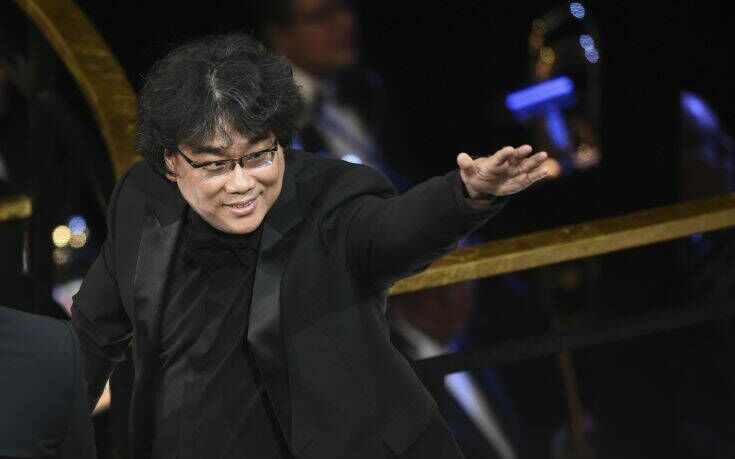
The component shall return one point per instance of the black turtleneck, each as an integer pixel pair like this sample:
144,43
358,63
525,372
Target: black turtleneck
210,401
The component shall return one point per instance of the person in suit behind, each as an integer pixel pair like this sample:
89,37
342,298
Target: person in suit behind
475,405
43,406
344,101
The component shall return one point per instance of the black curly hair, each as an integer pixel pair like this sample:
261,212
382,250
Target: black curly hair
219,84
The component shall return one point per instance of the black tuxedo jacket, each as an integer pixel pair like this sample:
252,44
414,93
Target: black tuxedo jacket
332,244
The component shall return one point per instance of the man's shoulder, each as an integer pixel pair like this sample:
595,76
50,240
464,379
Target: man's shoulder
142,177
143,185
320,177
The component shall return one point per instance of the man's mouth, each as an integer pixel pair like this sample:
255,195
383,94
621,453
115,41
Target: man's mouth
243,208
241,204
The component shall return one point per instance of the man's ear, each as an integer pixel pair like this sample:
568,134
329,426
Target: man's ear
169,163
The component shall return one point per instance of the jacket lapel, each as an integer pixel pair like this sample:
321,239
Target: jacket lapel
161,228
265,337
162,224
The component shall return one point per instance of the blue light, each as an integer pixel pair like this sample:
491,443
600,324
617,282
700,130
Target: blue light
587,42
557,129
592,55
698,108
296,144
351,158
77,224
577,10
545,91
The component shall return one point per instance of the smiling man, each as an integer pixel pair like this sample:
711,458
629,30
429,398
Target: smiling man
237,205
251,278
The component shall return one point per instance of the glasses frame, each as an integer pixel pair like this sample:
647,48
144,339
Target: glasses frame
232,161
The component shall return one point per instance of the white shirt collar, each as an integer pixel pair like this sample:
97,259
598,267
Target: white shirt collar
308,83
424,345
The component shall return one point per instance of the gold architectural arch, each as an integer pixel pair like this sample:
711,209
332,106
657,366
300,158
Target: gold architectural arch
96,71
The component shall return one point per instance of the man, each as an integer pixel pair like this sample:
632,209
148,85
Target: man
252,278
43,408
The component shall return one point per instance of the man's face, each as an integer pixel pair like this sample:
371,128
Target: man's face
320,37
238,201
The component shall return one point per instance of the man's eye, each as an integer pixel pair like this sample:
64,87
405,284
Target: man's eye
215,166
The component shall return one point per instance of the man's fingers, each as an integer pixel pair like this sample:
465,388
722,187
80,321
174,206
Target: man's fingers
464,161
533,162
519,154
513,165
537,175
522,151
502,155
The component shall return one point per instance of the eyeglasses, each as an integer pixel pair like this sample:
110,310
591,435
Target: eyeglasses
220,167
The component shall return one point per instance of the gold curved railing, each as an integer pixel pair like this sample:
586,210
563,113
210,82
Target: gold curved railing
96,71
576,241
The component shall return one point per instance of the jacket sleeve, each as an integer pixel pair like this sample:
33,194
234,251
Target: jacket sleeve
388,238
98,317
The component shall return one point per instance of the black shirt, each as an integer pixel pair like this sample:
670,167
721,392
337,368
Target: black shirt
210,401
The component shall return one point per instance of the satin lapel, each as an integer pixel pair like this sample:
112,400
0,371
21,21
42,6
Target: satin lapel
265,336
157,245
155,252
264,331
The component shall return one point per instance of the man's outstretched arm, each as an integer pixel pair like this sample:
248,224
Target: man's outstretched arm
391,238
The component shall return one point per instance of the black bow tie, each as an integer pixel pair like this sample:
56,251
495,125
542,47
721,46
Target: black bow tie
207,247
208,252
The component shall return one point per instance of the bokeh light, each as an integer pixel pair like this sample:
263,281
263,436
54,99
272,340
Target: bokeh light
587,42
547,55
77,224
592,55
61,236
577,10
78,240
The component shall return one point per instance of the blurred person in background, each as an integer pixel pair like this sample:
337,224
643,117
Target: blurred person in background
477,408
343,99
43,406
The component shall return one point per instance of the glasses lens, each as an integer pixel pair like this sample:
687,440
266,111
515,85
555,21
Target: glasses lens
217,168
220,168
261,160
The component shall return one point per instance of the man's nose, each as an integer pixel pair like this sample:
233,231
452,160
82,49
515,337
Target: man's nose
239,180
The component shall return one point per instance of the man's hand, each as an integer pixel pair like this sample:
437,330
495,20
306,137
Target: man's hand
508,171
